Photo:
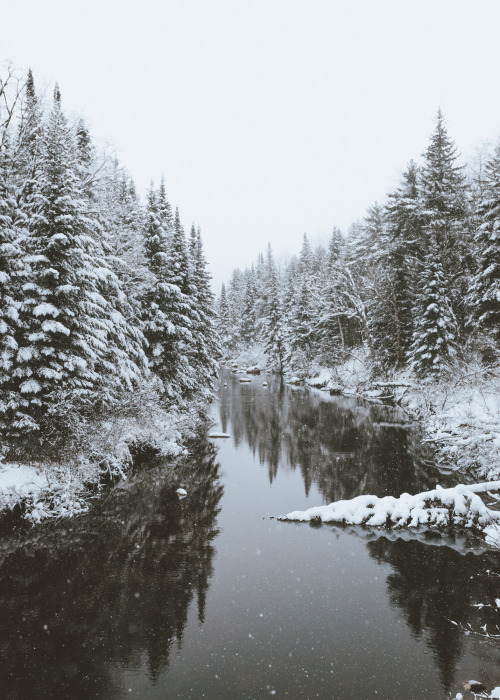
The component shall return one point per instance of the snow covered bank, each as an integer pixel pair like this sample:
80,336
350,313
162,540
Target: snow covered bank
42,491
474,689
458,506
49,489
461,417
460,412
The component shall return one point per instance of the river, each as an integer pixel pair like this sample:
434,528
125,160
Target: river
151,596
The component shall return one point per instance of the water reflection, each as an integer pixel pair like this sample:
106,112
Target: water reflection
112,588
436,587
208,597
344,447
445,592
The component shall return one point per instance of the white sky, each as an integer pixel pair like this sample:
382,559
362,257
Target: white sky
267,118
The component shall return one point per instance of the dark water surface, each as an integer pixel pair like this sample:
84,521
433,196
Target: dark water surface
150,596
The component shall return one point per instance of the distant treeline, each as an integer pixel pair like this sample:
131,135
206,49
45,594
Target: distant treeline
417,281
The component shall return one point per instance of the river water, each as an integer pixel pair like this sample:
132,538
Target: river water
150,596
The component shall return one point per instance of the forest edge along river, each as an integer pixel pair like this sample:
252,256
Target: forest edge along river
153,596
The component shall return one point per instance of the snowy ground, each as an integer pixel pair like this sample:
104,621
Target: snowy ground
42,490
461,417
64,489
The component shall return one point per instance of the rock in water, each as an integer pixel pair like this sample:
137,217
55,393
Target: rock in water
181,492
475,687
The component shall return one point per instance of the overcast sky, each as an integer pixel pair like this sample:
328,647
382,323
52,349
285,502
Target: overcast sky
268,118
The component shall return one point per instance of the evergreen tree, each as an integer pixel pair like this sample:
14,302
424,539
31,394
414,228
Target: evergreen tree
184,314
300,328
405,249
161,304
165,211
206,350
236,292
11,269
333,312
28,157
248,328
442,191
445,215
123,220
273,326
306,258
485,287
224,321
76,347
435,334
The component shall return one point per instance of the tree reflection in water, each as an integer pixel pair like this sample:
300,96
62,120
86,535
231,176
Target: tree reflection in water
343,446
435,585
113,587
347,448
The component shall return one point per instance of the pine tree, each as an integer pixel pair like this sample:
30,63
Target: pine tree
183,313
76,349
485,287
435,334
236,300
11,269
206,350
248,327
405,249
28,159
224,321
123,220
300,328
165,211
305,258
84,159
370,242
161,304
333,313
273,325
155,239
445,215
442,189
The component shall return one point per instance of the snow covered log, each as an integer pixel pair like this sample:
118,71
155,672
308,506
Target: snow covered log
457,506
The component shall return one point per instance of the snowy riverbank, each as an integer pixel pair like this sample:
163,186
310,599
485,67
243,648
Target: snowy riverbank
44,489
460,413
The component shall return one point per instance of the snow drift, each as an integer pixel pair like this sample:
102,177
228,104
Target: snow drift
458,506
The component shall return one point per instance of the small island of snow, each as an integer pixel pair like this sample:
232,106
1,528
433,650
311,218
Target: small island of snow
457,506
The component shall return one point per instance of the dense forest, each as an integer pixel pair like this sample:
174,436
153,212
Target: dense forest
105,303
416,282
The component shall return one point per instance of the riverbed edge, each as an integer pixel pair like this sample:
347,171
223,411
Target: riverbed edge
459,413
32,491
